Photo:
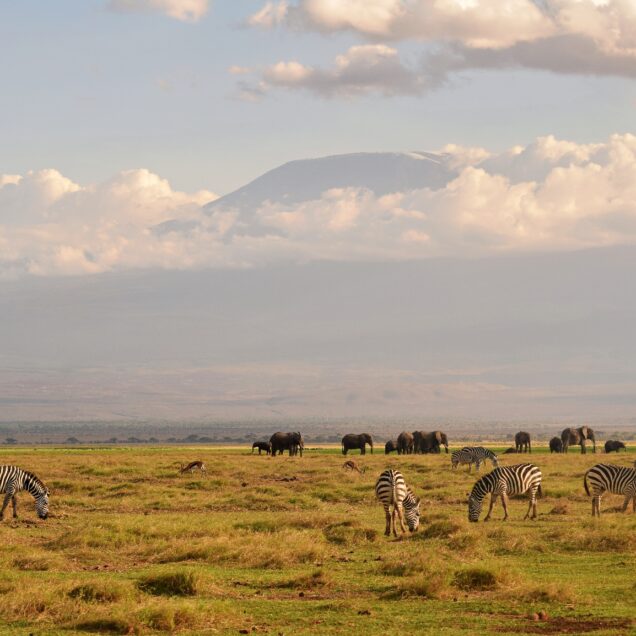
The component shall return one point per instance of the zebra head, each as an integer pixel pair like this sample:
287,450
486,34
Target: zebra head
412,512
494,459
42,504
475,503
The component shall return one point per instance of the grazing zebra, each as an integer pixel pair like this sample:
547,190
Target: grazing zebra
619,480
504,481
473,455
13,480
391,489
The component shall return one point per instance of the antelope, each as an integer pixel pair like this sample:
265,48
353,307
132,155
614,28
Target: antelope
191,467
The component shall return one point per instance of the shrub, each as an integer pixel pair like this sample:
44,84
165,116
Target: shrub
169,584
475,579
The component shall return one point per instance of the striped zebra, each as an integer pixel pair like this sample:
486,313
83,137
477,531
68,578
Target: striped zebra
473,455
504,481
391,490
619,480
13,480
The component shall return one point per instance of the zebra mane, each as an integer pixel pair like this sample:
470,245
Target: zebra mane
32,478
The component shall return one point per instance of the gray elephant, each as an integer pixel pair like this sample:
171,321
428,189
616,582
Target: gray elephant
262,446
612,445
522,442
405,443
556,445
429,442
390,447
578,436
292,442
353,440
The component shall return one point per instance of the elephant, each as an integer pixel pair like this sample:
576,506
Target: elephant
390,446
405,443
556,445
429,442
262,446
293,442
578,436
522,442
360,441
612,445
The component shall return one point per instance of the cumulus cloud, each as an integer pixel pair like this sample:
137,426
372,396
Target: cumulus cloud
369,68
184,10
592,37
549,195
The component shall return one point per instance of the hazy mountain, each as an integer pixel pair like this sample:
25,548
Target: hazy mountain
539,336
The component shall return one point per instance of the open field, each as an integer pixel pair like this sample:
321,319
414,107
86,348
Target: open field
296,546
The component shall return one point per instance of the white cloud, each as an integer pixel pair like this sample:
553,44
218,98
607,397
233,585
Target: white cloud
184,10
592,37
270,15
549,195
370,68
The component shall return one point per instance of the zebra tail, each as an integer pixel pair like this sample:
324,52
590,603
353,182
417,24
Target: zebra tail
587,490
540,491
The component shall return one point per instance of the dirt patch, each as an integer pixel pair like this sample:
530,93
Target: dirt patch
561,625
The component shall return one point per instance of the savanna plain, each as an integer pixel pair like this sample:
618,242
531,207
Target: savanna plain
291,545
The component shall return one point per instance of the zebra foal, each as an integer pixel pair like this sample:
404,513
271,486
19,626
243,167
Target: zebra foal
504,481
391,490
473,455
618,480
13,480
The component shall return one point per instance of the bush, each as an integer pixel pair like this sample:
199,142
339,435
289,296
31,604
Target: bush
169,584
475,579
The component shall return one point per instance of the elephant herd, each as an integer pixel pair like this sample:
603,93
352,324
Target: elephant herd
424,442
279,442
417,442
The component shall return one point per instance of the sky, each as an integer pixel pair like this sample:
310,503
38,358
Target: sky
203,93
493,150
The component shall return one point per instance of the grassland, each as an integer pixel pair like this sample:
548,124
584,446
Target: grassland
296,546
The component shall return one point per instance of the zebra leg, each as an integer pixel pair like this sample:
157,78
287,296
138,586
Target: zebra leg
504,503
477,465
492,504
401,517
387,515
5,503
626,502
14,500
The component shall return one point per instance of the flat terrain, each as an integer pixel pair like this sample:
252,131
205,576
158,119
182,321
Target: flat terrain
296,546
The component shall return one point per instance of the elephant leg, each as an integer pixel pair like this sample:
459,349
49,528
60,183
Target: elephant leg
362,451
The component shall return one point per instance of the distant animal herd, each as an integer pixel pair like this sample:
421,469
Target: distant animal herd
397,498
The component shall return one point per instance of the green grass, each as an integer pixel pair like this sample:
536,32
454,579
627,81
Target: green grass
290,545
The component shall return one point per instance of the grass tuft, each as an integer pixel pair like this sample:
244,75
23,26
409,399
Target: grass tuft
169,584
102,592
349,533
475,579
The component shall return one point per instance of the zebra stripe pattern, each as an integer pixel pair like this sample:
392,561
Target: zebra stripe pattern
391,490
504,481
13,480
473,455
618,480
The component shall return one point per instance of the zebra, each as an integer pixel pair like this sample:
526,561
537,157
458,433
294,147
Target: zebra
473,455
391,489
13,480
504,481
619,480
